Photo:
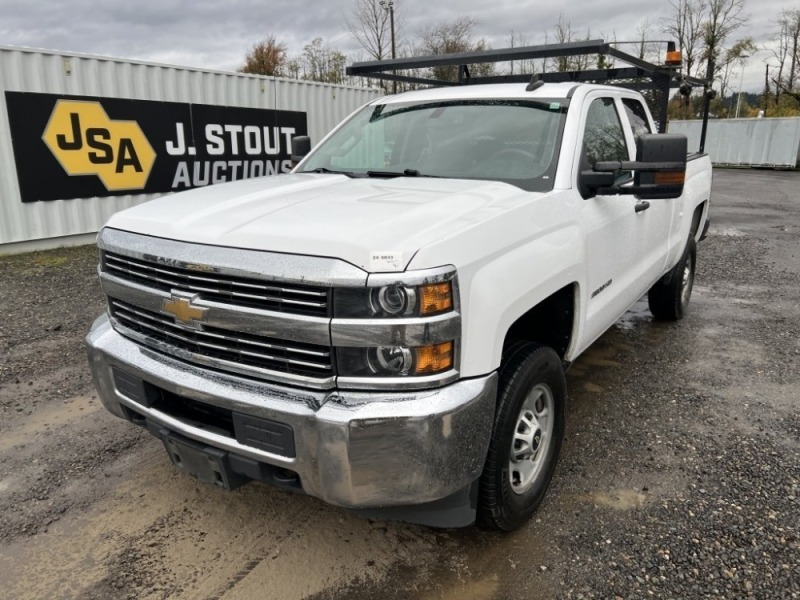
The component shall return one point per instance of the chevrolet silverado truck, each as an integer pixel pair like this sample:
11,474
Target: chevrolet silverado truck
387,327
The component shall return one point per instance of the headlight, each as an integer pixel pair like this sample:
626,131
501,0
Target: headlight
389,360
394,300
395,361
400,330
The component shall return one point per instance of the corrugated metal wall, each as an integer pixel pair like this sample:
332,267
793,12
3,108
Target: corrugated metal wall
746,142
26,70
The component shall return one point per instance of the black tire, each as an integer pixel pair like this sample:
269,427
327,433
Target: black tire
528,369
669,297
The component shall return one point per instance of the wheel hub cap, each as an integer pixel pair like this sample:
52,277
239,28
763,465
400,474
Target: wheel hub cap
532,437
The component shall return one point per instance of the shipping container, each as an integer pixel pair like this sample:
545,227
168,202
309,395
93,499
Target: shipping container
746,142
82,137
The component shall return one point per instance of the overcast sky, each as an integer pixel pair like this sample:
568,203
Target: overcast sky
217,33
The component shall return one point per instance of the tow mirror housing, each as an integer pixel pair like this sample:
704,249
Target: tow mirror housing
659,170
657,150
301,146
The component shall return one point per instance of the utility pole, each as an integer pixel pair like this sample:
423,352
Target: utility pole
389,7
766,90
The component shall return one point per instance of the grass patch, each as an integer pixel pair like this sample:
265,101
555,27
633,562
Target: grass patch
34,263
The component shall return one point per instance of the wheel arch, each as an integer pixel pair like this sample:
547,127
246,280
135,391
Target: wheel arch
699,218
551,322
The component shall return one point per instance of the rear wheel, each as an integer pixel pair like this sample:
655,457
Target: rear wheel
669,297
526,438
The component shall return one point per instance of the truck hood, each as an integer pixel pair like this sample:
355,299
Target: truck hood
375,224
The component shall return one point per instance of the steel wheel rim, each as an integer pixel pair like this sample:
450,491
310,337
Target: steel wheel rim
686,282
533,435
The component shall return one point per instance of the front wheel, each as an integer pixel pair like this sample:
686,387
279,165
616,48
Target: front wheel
668,299
526,437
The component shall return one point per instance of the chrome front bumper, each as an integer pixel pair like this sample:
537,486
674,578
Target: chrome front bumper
352,449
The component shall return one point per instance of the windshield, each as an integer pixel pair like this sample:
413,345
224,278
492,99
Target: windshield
515,141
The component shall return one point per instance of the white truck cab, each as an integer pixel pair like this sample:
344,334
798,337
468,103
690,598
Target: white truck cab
387,327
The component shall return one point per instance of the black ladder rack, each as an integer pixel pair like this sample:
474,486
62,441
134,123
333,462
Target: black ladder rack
652,80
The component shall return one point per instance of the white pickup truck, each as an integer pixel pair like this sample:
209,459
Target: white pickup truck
387,327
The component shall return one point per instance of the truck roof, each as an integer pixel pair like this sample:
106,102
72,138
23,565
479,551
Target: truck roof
490,90
494,90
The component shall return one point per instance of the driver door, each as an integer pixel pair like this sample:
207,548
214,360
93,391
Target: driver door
614,234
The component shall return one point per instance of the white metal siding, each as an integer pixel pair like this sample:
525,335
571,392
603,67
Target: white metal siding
747,142
28,70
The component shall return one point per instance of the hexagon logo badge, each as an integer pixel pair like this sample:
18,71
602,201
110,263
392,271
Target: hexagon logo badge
86,142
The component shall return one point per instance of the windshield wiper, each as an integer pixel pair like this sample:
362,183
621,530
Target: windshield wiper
325,170
405,173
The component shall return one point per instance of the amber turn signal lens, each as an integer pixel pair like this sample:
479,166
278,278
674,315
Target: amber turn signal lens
670,178
435,298
674,58
434,359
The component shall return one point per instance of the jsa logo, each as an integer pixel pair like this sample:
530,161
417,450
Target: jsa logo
86,142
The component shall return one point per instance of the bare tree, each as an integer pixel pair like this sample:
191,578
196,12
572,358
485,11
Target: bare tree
267,57
517,40
448,37
322,63
723,17
786,51
685,26
294,67
780,51
731,58
792,19
370,25
604,61
563,33
701,28
646,49
642,34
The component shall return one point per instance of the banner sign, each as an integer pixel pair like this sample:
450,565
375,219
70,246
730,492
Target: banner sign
82,146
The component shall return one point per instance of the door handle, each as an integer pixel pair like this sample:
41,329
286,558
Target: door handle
641,206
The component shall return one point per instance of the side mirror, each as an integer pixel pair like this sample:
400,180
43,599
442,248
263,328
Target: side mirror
301,146
656,150
659,169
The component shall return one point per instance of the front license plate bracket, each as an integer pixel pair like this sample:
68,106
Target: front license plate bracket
206,463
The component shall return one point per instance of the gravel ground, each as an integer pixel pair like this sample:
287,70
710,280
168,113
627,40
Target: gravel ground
679,477
49,454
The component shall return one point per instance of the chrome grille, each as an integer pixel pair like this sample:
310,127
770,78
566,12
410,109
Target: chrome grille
228,289
237,348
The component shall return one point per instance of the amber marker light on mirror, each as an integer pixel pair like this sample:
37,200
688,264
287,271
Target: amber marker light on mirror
435,298
670,178
434,359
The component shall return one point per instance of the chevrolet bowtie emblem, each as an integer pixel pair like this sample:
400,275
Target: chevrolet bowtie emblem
182,309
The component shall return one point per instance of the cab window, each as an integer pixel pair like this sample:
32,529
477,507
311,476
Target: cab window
637,117
603,137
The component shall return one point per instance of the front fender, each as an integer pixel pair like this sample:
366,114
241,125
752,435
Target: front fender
506,266
500,291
